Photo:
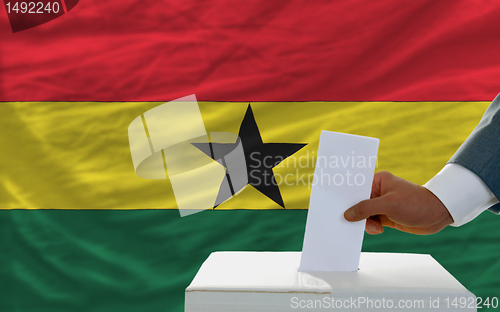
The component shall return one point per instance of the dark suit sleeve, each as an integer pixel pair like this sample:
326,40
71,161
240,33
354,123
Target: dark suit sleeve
480,153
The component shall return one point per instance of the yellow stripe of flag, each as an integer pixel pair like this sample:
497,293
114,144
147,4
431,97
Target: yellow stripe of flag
59,155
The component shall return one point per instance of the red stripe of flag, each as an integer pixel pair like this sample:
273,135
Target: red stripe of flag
351,50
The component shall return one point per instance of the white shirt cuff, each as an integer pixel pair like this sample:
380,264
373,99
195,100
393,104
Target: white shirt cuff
462,192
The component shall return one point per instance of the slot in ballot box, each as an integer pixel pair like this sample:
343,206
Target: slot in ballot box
271,282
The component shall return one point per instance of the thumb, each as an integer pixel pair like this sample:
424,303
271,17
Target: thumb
366,209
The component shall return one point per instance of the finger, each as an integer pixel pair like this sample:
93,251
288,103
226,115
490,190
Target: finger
376,192
384,221
379,180
408,229
367,208
373,226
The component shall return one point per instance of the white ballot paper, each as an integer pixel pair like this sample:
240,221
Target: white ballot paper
343,177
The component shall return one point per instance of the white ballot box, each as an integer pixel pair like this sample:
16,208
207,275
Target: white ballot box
271,282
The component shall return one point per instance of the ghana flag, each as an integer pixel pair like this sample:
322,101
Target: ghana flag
81,230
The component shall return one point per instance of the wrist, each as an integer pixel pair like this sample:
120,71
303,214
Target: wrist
440,214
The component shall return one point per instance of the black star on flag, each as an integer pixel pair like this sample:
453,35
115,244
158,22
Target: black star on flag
260,159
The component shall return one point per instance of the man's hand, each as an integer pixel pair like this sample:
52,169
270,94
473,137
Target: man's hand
402,205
